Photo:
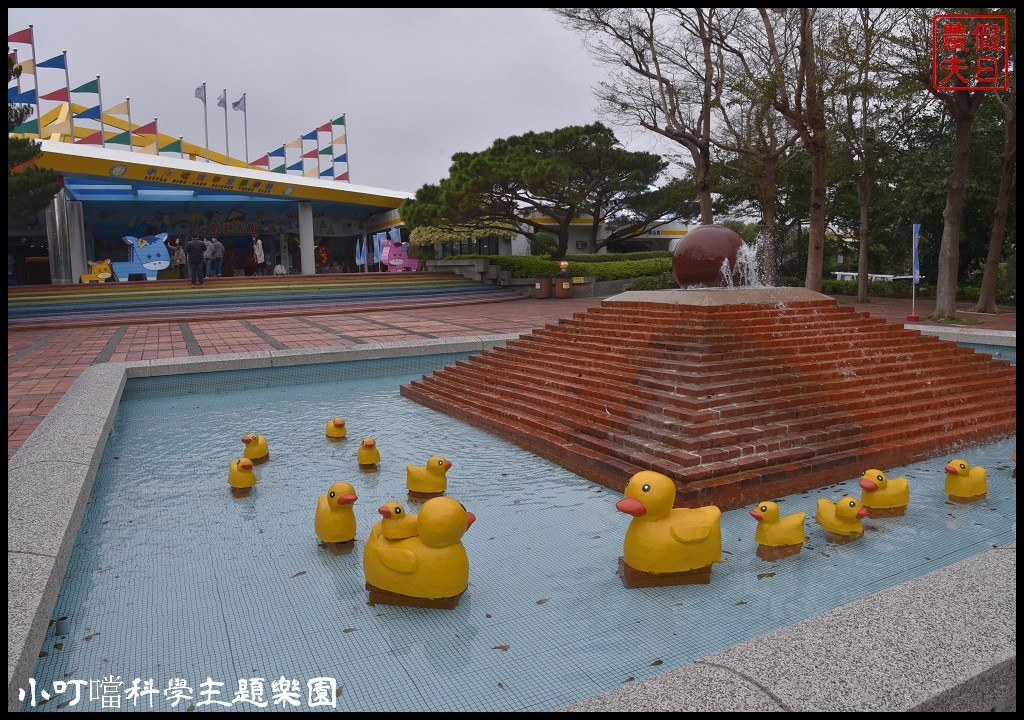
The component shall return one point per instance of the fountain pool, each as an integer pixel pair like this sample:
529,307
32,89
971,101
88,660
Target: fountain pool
172,579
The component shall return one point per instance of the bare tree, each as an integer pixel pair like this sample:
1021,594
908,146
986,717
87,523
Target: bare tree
987,297
665,77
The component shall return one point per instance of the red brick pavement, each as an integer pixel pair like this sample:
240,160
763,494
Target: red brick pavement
42,364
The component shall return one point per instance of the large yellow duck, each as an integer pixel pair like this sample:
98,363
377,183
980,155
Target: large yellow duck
965,484
842,520
335,521
336,429
395,522
256,448
426,481
776,536
666,545
430,569
241,477
884,496
368,454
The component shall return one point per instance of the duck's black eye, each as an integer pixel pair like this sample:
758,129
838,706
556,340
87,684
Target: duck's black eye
646,488
879,478
764,508
463,507
962,466
332,493
852,503
398,511
440,462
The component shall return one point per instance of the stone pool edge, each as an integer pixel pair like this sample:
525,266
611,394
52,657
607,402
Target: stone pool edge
943,641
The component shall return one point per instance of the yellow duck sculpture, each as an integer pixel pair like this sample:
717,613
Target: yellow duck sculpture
395,522
666,545
336,429
430,569
368,454
776,536
965,484
241,477
841,520
427,481
884,496
335,521
256,448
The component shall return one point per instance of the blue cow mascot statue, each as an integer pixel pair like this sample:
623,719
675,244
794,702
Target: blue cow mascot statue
149,255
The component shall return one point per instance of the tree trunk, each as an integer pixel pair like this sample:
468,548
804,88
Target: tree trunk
816,227
987,297
864,198
952,215
702,175
769,199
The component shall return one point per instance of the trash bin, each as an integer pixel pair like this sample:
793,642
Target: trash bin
542,288
563,286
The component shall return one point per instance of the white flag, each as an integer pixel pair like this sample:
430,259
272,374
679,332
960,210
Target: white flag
222,101
201,93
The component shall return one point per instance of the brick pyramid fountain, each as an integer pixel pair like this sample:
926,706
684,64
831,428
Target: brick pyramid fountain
737,395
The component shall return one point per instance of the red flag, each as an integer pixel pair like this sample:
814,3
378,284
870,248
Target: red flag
310,154
326,127
22,36
147,129
94,139
263,161
343,176
61,94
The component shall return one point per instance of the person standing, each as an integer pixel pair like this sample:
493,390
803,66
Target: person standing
195,249
208,256
218,259
180,261
257,255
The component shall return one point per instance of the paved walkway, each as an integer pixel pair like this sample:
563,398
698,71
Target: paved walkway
43,363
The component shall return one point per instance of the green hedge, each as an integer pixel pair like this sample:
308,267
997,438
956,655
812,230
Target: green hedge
904,289
527,266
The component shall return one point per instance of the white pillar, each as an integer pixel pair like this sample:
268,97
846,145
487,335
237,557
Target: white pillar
306,238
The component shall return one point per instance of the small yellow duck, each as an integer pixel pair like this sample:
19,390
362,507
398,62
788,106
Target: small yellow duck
335,521
842,520
395,522
776,536
662,543
336,429
368,454
430,569
884,496
427,481
256,448
241,477
965,484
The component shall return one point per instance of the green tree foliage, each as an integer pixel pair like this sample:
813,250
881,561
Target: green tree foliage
541,182
29,190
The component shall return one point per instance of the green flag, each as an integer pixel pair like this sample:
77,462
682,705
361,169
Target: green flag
32,126
279,169
120,139
339,121
172,147
93,86
329,150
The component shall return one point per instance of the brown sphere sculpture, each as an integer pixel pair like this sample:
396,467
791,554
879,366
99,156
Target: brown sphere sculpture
697,259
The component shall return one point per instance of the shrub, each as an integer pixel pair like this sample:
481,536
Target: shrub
655,282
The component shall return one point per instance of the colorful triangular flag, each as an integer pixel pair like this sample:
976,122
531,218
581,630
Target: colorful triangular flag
95,139
279,169
56,62
147,129
329,172
22,36
32,126
60,95
342,158
119,109
339,121
93,86
296,166
120,139
343,176
150,149
326,127
311,135
92,113
28,67
239,104
310,154
327,150
297,143
277,152
262,162
222,101
172,147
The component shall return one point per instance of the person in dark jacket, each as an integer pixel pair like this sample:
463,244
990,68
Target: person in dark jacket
196,251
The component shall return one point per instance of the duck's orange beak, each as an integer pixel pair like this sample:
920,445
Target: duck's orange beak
470,519
347,498
952,469
384,510
631,506
447,465
869,485
862,513
369,443
339,423
756,515
245,464
247,439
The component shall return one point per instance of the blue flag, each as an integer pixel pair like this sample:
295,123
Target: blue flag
56,62
917,263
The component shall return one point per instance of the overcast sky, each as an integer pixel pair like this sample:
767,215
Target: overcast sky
415,85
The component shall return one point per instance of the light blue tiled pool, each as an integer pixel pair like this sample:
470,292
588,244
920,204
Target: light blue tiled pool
173,578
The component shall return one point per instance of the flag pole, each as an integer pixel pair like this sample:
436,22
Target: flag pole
128,106
18,79
206,123
227,143
245,124
103,127
348,157
35,80
916,275
181,147
67,84
156,137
